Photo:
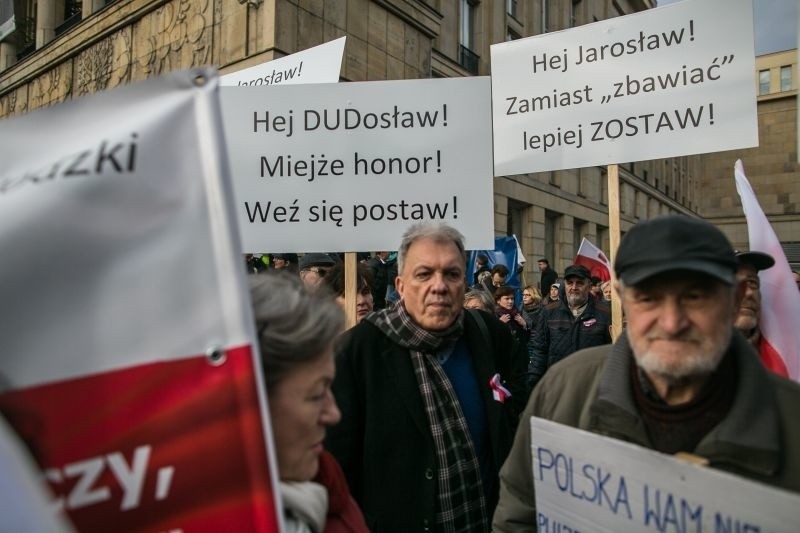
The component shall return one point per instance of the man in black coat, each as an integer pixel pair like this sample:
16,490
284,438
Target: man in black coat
573,322
379,269
429,395
548,275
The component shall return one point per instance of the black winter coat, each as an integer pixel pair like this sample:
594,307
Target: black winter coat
559,334
384,443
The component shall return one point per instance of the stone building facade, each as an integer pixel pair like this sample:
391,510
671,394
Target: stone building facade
772,168
75,47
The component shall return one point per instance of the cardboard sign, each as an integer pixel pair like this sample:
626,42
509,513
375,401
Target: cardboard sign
587,482
320,64
348,167
126,329
660,83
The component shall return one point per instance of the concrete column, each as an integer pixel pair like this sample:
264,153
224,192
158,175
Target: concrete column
91,6
45,22
8,55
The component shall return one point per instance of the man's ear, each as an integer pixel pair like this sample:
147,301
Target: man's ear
398,286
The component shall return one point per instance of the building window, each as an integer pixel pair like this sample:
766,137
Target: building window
786,78
579,229
573,13
511,8
466,57
763,82
545,16
72,15
552,222
25,34
511,35
515,221
468,9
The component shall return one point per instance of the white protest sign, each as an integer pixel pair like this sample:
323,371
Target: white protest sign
320,64
587,482
671,81
348,167
126,329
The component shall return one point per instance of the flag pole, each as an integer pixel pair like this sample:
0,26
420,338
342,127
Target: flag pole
614,235
350,275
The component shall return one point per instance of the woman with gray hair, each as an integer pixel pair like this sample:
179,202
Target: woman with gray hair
296,331
479,299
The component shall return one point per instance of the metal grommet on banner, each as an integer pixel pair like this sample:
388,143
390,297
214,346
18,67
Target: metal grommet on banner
216,355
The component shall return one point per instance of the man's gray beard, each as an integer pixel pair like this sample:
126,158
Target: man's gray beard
576,301
692,366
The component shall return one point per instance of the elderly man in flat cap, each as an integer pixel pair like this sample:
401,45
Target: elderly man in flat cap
573,322
679,379
748,317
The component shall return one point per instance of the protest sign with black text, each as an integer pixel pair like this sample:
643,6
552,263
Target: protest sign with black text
664,82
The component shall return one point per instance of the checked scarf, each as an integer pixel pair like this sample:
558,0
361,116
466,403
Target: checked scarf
461,506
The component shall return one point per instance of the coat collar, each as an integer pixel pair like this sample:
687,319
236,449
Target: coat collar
748,438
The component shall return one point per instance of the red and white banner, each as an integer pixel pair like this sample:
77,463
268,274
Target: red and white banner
780,299
594,259
126,328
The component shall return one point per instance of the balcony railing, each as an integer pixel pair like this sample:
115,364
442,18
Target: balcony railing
71,19
468,59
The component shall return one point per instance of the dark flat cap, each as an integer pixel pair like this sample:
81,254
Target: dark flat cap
757,260
579,271
674,242
316,259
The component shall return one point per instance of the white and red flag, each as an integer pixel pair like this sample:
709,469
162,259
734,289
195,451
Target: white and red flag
780,299
594,259
126,333
499,392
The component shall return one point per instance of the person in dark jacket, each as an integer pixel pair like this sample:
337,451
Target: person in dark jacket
423,387
481,265
498,276
379,270
510,315
548,275
575,321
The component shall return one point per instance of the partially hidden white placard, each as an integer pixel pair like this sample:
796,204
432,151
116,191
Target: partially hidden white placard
587,482
348,167
664,82
320,64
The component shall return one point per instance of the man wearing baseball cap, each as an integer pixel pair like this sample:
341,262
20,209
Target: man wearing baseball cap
313,267
748,317
679,379
565,326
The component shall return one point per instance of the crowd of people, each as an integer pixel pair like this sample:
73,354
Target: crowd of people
416,418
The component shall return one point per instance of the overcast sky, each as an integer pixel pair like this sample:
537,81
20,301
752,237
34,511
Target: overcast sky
775,24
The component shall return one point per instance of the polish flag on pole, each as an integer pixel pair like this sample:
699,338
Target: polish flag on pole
594,259
780,299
